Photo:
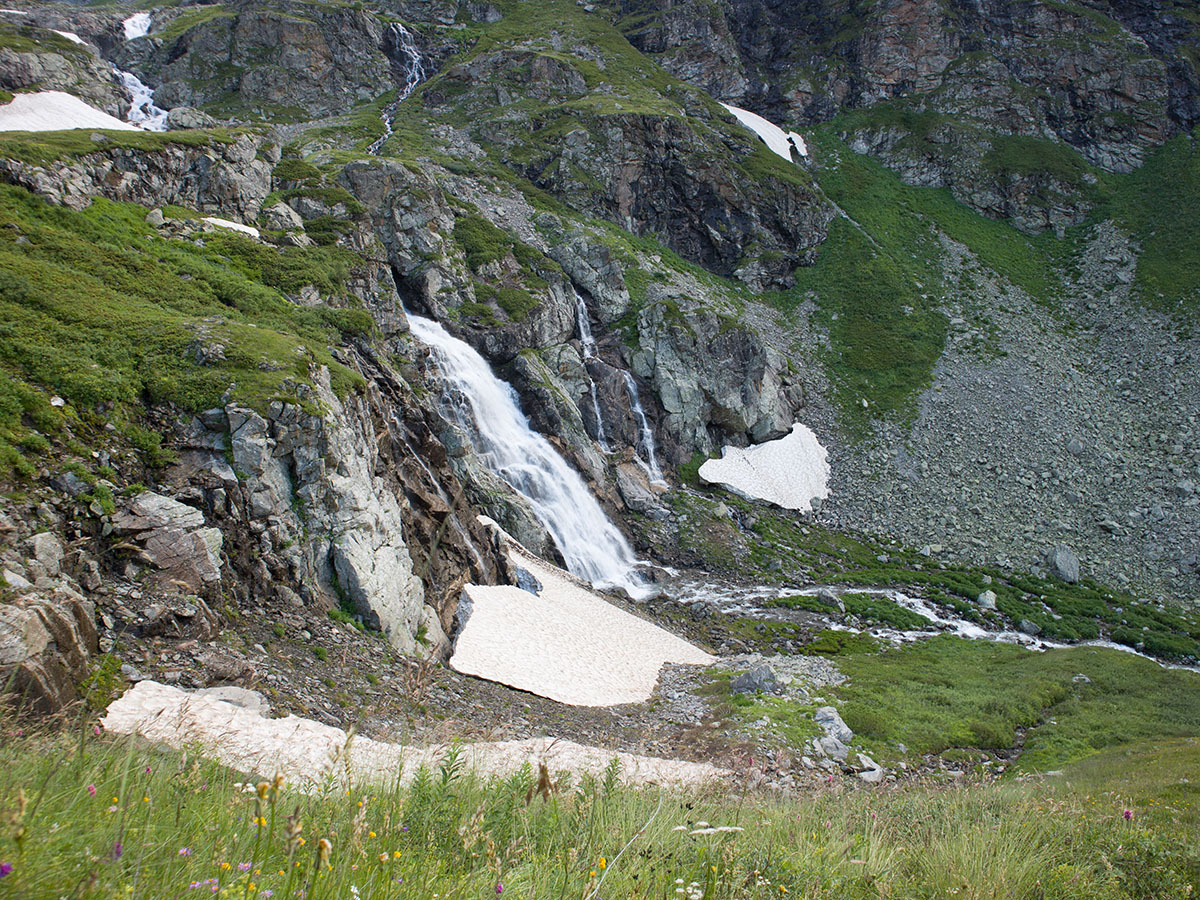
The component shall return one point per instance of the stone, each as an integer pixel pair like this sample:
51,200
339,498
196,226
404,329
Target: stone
173,539
759,679
831,723
155,218
1063,564
282,217
47,550
182,118
826,597
46,644
831,748
987,600
1081,679
1075,447
17,582
1030,628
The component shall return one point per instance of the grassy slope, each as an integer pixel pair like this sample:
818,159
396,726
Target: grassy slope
99,309
169,825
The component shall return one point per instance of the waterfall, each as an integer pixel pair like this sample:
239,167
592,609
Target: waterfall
142,112
646,441
589,352
414,74
486,410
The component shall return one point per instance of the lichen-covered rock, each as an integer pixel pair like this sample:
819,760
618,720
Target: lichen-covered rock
174,539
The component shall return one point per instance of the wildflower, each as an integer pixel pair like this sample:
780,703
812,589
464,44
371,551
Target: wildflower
262,789
147,770
370,834
117,850
324,848
603,863
243,867
251,886
225,867
96,730
354,889
5,869
260,821
116,800
782,889
112,809
267,893
499,887
91,789
185,851
383,858
1128,814
396,854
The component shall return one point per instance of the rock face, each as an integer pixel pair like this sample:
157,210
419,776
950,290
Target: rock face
964,85
225,178
46,642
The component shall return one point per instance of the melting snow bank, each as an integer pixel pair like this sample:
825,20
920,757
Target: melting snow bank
55,111
234,226
136,26
777,140
790,472
565,642
311,755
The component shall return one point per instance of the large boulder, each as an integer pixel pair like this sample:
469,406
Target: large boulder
46,643
1064,564
173,539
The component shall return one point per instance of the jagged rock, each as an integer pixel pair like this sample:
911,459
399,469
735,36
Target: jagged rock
173,538
47,549
635,488
987,600
831,748
826,597
759,679
282,217
219,178
182,118
191,619
831,723
1064,564
155,218
224,667
63,66
46,642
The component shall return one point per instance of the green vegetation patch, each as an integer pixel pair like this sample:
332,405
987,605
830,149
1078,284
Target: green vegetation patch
136,820
45,147
949,692
97,308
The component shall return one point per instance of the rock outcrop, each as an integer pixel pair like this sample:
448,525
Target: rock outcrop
46,643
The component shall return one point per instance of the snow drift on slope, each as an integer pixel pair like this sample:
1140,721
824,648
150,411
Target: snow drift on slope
790,472
776,139
55,111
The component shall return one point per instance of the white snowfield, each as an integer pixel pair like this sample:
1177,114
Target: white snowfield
311,755
55,111
567,643
233,226
136,26
71,36
776,139
789,472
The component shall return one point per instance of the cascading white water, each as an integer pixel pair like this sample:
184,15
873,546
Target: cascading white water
646,441
414,74
589,352
486,409
142,112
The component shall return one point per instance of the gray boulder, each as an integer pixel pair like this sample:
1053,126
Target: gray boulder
183,118
833,726
46,643
760,678
987,600
1064,564
173,538
1030,628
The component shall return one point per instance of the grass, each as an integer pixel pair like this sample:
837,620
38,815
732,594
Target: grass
949,692
92,816
46,147
99,309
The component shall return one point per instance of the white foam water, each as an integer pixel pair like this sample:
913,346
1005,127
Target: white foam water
588,343
649,450
487,411
414,74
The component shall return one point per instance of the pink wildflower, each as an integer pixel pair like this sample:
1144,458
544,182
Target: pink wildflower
91,789
1128,814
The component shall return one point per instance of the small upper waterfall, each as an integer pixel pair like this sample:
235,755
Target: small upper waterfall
414,74
486,409
589,352
646,441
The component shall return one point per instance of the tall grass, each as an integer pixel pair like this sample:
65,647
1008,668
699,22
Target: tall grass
89,816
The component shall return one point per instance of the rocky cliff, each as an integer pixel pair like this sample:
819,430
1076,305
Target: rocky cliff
224,421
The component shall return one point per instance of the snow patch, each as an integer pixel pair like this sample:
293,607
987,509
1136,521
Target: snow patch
70,36
310,755
777,140
566,642
55,111
136,26
234,226
790,472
